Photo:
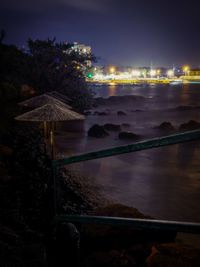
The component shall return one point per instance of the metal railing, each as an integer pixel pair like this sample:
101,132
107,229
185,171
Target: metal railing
143,145
187,227
140,224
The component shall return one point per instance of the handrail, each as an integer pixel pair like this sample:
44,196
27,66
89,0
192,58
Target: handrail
141,224
147,144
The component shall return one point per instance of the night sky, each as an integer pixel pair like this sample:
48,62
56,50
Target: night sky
121,32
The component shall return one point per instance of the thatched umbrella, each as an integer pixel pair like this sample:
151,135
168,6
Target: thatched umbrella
59,96
41,100
38,101
50,113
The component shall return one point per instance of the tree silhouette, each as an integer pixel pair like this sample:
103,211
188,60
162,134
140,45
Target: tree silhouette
53,66
2,35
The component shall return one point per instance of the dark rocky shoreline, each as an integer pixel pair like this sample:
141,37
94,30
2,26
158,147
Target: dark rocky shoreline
23,235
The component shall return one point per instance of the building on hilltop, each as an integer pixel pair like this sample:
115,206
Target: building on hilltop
82,50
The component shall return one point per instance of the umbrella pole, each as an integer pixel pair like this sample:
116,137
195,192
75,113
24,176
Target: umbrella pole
54,172
45,129
52,143
54,189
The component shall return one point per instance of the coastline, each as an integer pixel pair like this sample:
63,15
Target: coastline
151,181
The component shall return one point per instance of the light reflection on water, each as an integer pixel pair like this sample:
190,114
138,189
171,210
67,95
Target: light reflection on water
112,90
164,182
182,94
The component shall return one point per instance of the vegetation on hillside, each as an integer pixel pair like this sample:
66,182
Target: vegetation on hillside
26,186
45,66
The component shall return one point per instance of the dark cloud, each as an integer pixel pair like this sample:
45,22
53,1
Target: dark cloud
90,5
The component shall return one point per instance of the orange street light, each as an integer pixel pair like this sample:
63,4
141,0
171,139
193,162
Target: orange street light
112,70
186,70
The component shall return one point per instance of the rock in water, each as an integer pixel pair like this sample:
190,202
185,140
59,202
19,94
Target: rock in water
128,135
97,131
167,126
112,127
121,113
100,113
191,125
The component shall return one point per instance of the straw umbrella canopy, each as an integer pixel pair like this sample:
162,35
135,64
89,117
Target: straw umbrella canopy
50,113
42,100
38,101
59,96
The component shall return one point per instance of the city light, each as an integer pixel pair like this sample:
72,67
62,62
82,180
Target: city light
170,73
186,70
125,75
158,72
98,76
144,73
152,73
89,75
112,69
136,73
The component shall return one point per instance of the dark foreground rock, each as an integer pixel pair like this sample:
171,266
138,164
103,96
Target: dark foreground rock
118,246
128,136
112,127
191,125
5,152
121,113
126,125
101,113
19,245
119,210
113,237
97,131
166,126
173,255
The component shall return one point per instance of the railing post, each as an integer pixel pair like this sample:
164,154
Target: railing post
54,173
64,245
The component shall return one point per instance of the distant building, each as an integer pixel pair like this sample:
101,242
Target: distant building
178,71
83,50
195,72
